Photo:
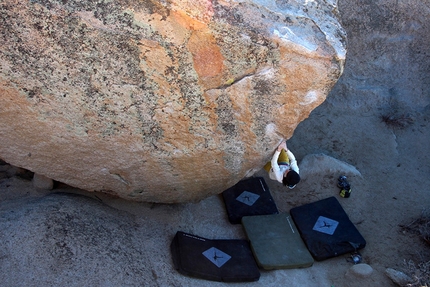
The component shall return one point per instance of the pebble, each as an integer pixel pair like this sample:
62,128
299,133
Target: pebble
398,277
361,270
42,182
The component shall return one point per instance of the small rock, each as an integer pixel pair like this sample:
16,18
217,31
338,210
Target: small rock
398,277
42,182
360,270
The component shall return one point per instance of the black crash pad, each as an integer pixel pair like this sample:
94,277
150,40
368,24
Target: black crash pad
248,197
326,229
276,242
216,260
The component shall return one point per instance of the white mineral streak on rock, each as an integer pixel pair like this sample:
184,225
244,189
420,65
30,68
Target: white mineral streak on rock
271,130
310,97
322,13
296,35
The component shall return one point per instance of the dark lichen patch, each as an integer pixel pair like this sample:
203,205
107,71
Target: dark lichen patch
263,87
241,55
94,62
261,100
395,115
226,120
152,7
31,92
191,93
145,103
229,129
397,119
245,48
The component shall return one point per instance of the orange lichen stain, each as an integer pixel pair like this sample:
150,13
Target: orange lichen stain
207,58
180,28
186,21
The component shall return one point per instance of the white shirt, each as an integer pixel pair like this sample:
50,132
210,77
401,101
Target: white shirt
277,171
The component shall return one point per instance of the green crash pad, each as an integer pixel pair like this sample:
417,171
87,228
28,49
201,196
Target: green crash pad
276,242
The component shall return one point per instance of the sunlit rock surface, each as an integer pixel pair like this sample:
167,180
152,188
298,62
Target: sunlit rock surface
160,101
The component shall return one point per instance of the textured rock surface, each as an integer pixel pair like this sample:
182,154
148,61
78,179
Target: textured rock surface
318,164
77,237
160,102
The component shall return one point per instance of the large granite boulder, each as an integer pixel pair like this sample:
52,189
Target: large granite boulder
163,101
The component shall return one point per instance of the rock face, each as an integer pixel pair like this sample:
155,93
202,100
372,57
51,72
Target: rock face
163,101
318,164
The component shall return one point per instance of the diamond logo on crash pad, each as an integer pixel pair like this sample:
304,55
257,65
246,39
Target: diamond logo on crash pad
326,225
248,198
216,256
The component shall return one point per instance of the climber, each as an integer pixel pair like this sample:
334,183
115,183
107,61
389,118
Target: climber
283,166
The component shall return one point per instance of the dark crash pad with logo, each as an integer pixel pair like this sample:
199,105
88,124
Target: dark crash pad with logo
276,242
326,229
248,197
224,260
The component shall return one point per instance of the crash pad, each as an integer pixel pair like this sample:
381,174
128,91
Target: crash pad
326,229
226,260
276,242
248,197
